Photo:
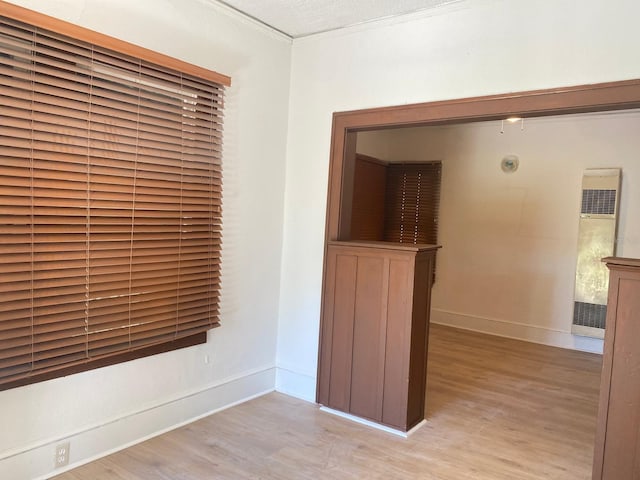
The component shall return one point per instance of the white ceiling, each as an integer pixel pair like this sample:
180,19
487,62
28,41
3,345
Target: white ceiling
298,18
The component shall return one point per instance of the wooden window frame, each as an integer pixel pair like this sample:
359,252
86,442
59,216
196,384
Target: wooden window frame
76,32
149,57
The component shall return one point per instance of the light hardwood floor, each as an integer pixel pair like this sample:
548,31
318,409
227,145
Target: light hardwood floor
498,409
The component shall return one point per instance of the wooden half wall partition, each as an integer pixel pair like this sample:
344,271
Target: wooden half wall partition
616,455
376,331
601,97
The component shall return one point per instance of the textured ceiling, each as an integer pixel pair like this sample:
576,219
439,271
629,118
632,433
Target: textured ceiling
298,18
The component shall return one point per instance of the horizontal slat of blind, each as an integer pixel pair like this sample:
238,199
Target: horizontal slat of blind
110,198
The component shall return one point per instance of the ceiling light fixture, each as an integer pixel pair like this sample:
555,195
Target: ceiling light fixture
512,120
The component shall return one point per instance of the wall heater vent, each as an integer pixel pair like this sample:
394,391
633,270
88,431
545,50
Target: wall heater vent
599,202
589,315
597,230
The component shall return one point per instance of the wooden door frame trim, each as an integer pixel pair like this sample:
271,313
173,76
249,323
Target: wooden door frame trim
556,101
599,97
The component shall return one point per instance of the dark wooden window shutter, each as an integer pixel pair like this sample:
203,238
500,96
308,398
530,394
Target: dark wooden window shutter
412,202
110,204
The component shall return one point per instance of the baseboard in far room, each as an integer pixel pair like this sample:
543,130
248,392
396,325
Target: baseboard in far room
36,462
296,384
518,331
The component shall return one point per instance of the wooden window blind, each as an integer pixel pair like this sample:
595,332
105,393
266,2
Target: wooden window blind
412,202
110,205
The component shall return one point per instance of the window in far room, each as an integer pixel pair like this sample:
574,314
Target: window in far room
395,202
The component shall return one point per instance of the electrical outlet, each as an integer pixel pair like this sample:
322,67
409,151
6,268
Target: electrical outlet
62,455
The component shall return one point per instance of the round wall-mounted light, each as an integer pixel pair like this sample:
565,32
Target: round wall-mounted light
510,163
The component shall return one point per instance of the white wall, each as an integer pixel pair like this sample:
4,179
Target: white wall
272,260
508,260
466,49
109,407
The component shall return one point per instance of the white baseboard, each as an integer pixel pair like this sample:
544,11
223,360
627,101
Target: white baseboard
371,424
302,385
296,384
36,462
519,331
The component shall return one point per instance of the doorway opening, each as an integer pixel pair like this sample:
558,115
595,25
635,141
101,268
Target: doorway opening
350,127
530,106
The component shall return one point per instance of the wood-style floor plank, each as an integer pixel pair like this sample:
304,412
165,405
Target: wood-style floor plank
497,409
